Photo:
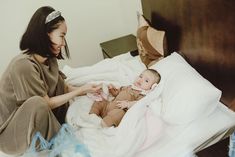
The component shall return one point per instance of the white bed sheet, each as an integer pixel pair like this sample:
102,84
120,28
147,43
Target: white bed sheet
177,140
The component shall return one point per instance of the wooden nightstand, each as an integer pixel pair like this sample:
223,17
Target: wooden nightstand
118,46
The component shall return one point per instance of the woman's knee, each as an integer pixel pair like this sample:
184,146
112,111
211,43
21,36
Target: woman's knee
36,103
31,116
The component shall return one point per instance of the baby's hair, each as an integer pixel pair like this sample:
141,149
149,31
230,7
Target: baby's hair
156,74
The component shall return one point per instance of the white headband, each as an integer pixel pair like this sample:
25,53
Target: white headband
52,16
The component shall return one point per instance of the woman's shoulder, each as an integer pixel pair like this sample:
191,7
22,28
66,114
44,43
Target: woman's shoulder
22,63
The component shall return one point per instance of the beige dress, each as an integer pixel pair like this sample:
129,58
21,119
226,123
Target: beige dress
23,111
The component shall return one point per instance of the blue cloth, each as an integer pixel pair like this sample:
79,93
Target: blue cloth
232,145
64,143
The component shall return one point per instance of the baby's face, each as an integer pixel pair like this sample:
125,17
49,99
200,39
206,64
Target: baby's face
145,80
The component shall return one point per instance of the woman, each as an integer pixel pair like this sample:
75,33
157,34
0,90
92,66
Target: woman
32,90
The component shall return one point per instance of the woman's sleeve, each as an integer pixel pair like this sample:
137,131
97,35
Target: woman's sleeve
61,87
26,80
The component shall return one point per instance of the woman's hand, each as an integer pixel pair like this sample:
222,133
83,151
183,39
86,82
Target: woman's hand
72,91
90,88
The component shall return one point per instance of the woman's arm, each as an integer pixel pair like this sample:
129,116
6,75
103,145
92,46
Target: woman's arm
70,88
72,92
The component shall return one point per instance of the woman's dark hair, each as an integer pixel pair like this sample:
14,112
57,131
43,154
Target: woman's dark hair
35,40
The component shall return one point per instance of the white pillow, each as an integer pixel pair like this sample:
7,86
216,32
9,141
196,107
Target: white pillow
186,95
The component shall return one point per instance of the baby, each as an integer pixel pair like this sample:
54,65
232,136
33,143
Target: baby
125,97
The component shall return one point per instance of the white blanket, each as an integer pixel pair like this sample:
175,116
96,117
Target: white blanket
120,70
134,132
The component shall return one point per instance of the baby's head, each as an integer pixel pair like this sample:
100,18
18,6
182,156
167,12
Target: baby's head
147,79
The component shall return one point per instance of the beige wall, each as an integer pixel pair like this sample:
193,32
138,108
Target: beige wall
89,23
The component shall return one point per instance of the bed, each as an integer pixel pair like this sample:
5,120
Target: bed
183,129
200,38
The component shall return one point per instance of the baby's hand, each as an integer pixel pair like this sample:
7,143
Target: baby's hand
113,90
111,86
122,104
125,104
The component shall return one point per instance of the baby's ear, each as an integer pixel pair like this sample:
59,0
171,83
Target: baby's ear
154,86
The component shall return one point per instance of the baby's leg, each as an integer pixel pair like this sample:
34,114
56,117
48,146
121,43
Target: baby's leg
103,124
98,107
113,118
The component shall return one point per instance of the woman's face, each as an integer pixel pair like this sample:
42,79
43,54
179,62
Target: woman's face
57,37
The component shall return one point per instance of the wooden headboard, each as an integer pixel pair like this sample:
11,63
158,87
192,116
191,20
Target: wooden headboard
204,32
